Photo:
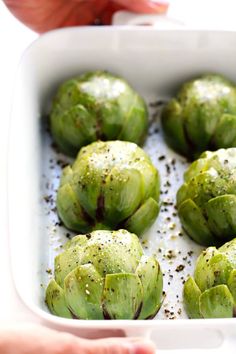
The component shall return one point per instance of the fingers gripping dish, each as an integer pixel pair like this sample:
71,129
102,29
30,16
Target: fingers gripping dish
212,291
104,275
206,201
110,185
202,116
97,106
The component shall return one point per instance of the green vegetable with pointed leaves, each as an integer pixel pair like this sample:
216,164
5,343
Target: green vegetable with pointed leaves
206,201
97,106
202,116
104,275
110,185
212,291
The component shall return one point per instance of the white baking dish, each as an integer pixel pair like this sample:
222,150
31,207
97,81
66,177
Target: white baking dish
155,63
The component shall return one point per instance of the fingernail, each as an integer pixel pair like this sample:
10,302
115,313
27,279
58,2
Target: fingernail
160,5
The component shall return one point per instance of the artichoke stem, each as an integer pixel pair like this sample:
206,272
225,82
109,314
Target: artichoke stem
100,226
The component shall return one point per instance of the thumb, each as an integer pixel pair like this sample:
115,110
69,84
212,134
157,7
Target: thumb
116,346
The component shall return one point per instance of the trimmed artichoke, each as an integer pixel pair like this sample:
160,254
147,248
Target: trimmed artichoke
97,105
104,275
202,116
212,291
206,201
111,185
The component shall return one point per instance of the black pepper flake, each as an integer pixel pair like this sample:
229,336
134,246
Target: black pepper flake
167,169
179,268
48,198
58,223
170,254
156,103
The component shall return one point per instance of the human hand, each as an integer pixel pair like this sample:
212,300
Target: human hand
52,14
39,340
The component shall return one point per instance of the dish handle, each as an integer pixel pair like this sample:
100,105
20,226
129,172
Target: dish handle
189,340
158,21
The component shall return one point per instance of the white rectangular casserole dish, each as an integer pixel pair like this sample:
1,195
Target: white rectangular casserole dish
155,62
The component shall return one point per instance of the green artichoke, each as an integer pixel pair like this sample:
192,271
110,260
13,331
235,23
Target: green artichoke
206,201
104,275
111,185
212,291
97,105
202,116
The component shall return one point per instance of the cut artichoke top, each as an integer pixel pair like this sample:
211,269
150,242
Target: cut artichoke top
207,200
212,291
110,185
202,116
97,105
104,274
102,250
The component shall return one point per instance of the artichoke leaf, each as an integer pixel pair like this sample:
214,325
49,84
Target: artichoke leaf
232,284
212,268
182,194
198,166
144,216
136,124
172,123
87,183
123,195
83,292
55,299
225,133
66,175
113,114
122,296
221,268
79,240
65,262
216,302
150,178
203,275
229,249
110,120
79,127
69,209
150,275
221,213
200,119
57,131
194,223
191,295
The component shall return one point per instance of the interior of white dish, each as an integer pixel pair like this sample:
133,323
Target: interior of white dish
155,63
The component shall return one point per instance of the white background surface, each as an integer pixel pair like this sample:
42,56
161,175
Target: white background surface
14,38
